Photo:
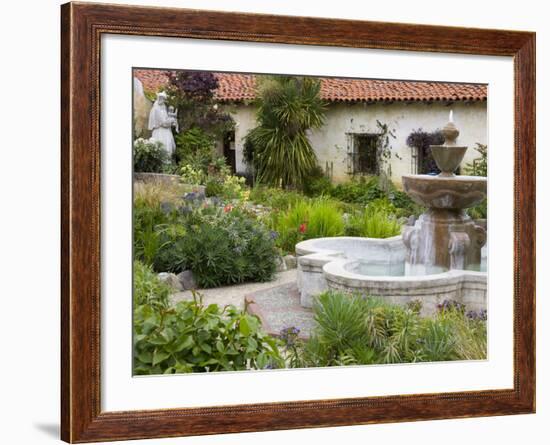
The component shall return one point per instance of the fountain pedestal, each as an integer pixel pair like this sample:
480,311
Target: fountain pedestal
445,237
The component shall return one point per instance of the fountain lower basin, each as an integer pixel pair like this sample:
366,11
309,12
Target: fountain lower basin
378,267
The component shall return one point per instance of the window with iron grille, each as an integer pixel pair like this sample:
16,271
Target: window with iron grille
363,154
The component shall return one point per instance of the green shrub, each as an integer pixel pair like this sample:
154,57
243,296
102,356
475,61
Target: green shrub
479,166
189,175
194,147
169,255
360,190
148,289
213,187
403,204
317,183
228,249
225,186
191,337
150,157
290,226
479,211
277,199
233,187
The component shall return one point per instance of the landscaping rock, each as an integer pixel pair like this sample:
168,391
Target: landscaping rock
290,261
281,264
171,280
187,280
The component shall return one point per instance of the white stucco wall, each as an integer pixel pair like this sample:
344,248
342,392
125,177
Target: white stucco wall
245,119
330,141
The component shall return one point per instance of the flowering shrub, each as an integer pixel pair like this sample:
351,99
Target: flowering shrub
150,156
226,186
228,248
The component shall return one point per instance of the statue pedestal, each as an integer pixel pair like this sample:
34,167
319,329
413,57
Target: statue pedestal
443,239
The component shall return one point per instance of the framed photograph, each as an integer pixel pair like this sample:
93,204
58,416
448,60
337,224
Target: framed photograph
274,222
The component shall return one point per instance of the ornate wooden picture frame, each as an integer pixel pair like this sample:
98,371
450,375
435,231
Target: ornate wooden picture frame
82,26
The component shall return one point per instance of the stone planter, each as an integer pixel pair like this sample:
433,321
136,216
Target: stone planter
168,180
157,178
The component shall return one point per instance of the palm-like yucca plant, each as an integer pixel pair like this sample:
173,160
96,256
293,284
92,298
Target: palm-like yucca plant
287,107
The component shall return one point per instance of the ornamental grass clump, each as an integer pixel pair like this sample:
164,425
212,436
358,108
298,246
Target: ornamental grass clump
375,221
359,330
325,220
314,219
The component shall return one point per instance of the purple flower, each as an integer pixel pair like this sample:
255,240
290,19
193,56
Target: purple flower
481,315
448,305
166,207
289,335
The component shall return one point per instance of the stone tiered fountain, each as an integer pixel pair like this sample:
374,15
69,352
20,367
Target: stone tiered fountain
440,257
445,237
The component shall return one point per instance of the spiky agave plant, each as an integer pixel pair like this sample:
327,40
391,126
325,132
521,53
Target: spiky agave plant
288,107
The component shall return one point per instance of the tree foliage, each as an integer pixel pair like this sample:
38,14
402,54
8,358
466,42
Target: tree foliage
192,94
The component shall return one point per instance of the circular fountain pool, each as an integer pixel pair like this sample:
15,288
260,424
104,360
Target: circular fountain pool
378,267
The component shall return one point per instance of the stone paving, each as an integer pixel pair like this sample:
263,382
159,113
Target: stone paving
279,308
276,302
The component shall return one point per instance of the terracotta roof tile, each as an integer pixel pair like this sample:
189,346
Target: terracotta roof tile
238,87
152,80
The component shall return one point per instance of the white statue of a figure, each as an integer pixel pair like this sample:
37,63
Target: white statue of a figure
161,123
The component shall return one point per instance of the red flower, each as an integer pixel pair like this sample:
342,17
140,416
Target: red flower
228,208
303,228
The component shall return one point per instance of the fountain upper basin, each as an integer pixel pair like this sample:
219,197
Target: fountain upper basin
445,192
